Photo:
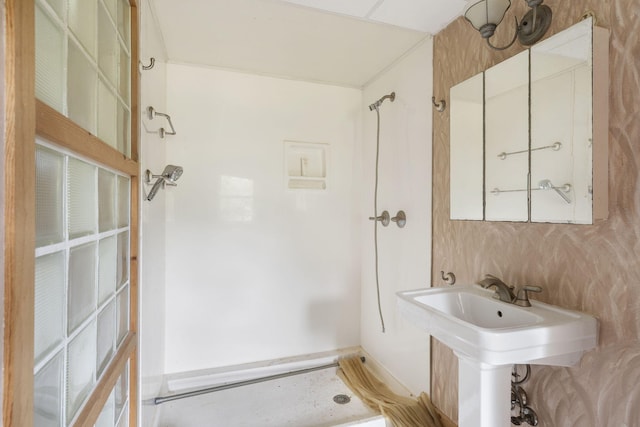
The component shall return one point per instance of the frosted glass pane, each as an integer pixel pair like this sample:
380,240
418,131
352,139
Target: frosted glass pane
82,286
81,368
58,7
49,61
106,200
125,72
49,303
107,268
107,120
123,20
122,390
81,196
49,174
123,201
107,417
122,273
106,336
108,47
82,88
122,313
124,146
47,394
83,22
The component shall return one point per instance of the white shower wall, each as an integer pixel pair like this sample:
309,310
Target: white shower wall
404,183
255,271
152,214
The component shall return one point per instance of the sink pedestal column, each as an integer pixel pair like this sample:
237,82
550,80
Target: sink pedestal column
484,394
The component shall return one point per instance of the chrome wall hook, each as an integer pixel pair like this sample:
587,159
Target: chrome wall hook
448,278
440,106
152,62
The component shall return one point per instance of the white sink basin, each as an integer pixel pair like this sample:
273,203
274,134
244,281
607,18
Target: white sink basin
474,324
488,336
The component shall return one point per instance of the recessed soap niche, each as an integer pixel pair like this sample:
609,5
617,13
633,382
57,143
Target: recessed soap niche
305,165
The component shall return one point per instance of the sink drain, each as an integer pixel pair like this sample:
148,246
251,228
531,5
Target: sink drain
341,399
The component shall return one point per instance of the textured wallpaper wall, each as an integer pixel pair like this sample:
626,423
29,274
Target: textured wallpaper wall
592,268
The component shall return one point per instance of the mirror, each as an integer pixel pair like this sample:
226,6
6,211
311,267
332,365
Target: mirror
507,139
466,159
529,136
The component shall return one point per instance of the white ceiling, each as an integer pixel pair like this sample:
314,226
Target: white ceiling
343,42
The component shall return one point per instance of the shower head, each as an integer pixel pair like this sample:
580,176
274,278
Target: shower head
375,105
170,175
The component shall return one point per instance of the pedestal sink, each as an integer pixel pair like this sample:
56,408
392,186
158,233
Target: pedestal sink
489,336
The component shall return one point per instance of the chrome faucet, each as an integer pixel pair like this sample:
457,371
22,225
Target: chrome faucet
506,293
503,292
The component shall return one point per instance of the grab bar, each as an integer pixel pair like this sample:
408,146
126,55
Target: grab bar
151,113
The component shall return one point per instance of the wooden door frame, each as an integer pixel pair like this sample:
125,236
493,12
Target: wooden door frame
24,116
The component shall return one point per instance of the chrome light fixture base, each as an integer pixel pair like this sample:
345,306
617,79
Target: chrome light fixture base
534,25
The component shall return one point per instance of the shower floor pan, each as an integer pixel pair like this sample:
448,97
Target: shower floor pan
305,400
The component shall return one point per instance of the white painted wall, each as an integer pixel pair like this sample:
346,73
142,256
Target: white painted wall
152,214
255,271
404,183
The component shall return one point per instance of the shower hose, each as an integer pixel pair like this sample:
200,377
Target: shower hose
375,222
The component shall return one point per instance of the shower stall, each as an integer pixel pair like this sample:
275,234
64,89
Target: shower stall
237,268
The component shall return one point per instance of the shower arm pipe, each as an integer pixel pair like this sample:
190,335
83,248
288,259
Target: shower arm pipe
162,399
151,113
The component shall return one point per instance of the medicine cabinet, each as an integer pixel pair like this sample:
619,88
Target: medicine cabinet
529,136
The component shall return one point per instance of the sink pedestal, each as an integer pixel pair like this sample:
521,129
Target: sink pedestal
484,394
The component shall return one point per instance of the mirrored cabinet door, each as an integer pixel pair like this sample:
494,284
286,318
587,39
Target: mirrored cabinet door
507,139
561,127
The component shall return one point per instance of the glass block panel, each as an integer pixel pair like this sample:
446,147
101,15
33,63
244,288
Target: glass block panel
49,177
124,18
81,368
123,201
108,47
82,286
107,417
106,336
122,271
81,198
112,6
49,300
58,7
49,61
125,73
48,394
124,419
122,391
107,266
107,120
106,200
82,89
122,314
83,21
124,146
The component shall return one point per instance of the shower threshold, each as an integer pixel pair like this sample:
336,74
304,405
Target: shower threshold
162,399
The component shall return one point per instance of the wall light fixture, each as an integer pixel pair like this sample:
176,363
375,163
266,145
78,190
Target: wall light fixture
486,15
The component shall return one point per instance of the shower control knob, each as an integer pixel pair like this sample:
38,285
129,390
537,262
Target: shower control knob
384,218
400,219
